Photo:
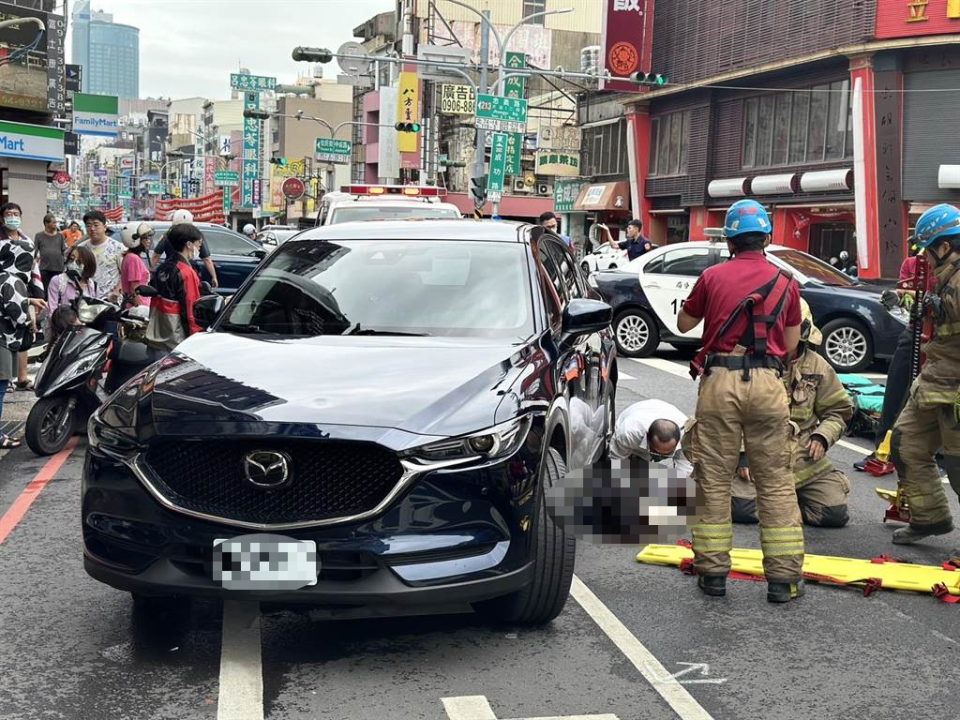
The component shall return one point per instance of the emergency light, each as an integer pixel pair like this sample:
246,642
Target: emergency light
408,190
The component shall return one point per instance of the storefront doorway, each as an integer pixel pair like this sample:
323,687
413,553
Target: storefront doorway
828,240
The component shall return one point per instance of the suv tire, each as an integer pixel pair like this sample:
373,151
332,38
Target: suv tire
555,552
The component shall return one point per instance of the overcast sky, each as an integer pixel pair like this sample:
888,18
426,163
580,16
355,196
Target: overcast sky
189,47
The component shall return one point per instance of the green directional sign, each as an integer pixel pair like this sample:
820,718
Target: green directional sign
501,114
230,178
515,88
252,83
334,151
498,163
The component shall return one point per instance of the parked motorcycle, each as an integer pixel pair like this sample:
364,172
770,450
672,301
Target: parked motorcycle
85,366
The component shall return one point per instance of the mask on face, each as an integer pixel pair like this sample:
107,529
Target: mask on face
194,252
12,222
74,269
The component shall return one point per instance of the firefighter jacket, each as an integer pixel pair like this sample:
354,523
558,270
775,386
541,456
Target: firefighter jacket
939,380
819,405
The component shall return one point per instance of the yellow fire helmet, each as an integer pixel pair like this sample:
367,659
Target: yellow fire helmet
808,331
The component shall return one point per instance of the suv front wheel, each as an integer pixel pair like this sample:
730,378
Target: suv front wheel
543,599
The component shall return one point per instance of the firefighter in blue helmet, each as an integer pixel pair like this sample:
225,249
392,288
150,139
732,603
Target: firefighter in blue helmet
751,315
931,418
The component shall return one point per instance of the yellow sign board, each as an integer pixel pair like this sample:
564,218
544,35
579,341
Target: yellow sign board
278,173
408,110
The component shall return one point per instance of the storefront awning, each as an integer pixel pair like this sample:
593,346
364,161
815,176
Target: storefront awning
949,177
604,197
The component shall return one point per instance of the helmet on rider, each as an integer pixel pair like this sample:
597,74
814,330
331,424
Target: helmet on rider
746,216
249,229
131,235
939,223
182,216
809,332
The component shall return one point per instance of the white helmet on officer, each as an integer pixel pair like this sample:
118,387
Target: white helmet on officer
249,229
131,236
182,216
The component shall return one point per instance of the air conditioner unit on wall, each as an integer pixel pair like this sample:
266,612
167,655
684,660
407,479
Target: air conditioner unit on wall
544,188
520,186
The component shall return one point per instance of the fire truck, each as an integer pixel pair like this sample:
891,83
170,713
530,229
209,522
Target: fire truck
358,203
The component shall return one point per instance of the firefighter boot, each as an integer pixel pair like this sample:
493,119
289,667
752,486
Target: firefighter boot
712,585
783,592
910,534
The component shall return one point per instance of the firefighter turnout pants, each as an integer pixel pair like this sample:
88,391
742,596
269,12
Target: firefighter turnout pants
921,430
756,410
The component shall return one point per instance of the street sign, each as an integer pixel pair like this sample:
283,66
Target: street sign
353,59
501,114
251,153
73,75
515,87
458,100
226,177
498,162
252,83
293,188
99,172
61,180
334,151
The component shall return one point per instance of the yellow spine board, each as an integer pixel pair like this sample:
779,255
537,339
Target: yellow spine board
893,575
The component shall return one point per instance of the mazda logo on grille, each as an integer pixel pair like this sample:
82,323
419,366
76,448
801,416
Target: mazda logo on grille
267,469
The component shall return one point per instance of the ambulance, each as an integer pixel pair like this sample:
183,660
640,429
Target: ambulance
358,203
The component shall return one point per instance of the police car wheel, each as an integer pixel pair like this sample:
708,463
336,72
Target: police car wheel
636,333
847,345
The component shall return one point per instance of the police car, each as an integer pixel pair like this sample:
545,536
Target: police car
647,294
358,203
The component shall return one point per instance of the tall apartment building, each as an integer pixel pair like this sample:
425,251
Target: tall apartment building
109,53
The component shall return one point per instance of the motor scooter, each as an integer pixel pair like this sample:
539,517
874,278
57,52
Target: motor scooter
84,367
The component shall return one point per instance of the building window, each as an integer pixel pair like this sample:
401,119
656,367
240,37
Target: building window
534,6
669,139
604,149
798,128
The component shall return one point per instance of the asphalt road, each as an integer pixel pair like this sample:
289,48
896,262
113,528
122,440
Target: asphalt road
72,648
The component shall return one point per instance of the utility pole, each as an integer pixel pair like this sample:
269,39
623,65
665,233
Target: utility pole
479,157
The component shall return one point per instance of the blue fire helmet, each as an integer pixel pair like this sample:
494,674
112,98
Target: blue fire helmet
936,224
746,216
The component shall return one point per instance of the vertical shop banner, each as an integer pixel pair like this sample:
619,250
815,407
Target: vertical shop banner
514,87
498,162
250,180
408,109
56,65
388,155
627,32
209,172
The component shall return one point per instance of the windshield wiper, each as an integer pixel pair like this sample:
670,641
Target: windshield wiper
243,329
371,331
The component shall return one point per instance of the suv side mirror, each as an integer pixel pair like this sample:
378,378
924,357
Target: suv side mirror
584,315
206,310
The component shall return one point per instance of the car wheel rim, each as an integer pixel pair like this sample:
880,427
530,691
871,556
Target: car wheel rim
633,333
846,347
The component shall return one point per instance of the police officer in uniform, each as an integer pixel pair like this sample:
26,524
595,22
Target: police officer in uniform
751,315
931,418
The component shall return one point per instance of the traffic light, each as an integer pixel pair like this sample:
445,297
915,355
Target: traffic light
282,162
650,79
478,188
410,127
312,54
256,114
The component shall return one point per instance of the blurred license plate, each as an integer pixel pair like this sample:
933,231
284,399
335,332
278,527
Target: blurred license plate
265,562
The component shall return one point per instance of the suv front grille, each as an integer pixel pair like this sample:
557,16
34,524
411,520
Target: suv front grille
329,479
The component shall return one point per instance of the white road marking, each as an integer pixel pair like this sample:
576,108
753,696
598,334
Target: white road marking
666,365
624,376
241,673
643,660
853,446
476,707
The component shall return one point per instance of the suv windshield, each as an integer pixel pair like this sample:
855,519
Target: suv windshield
814,268
361,213
389,287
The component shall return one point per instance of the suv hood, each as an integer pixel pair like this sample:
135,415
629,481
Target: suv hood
426,386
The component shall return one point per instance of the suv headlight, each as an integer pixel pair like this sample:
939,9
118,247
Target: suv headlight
493,443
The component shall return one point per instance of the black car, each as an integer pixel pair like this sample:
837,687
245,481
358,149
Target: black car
398,393
647,294
234,256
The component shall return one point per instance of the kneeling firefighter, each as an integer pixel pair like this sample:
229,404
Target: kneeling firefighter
821,409
931,418
751,315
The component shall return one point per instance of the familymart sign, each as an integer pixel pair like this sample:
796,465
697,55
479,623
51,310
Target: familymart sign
31,142
96,115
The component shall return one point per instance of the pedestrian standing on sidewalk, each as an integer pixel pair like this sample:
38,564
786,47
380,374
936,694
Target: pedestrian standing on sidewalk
73,233
16,287
51,247
108,252
751,315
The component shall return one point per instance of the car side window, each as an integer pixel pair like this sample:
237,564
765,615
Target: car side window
552,284
565,264
690,262
654,266
221,243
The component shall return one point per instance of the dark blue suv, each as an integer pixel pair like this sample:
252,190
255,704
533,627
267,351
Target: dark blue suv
397,395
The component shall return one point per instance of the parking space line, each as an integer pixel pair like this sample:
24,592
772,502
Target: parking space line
33,489
643,660
241,671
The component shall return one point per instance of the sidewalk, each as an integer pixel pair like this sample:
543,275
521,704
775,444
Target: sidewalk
16,407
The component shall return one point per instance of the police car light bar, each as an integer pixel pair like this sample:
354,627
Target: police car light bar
714,234
408,190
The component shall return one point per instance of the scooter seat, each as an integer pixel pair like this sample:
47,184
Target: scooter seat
132,353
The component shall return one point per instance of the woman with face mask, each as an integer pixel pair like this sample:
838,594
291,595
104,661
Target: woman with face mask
76,281
19,295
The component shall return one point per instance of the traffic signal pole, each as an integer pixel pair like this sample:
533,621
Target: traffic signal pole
479,157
